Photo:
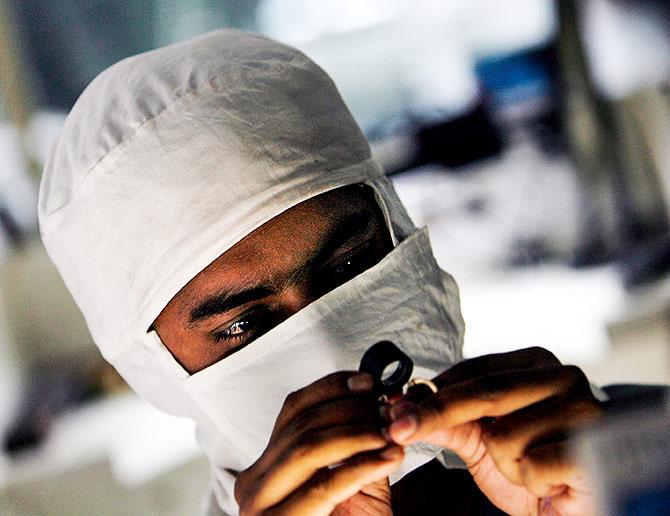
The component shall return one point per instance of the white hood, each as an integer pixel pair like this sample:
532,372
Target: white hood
167,160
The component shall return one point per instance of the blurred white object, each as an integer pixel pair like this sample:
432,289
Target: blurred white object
139,441
563,310
40,312
627,44
299,21
478,215
118,456
18,192
475,219
497,27
640,337
491,26
390,58
41,134
11,373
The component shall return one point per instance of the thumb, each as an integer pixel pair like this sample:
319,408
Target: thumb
411,423
465,439
374,498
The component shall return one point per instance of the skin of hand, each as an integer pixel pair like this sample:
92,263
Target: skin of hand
508,417
326,455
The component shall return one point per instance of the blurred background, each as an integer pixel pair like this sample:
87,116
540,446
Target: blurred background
532,137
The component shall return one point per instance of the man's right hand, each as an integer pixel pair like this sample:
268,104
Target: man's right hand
326,454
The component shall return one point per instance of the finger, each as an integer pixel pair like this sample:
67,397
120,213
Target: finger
317,450
490,396
340,384
549,473
372,498
329,488
340,412
305,408
528,358
336,412
510,438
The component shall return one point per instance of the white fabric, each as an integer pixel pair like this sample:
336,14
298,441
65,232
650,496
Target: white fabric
401,299
167,160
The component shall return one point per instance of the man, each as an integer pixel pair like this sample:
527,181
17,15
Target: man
214,210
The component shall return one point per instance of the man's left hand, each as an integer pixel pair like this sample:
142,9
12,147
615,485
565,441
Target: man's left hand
508,417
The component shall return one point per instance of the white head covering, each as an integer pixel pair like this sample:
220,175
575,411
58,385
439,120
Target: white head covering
167,160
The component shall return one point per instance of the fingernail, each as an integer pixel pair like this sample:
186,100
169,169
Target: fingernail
403,428
360,382
391,453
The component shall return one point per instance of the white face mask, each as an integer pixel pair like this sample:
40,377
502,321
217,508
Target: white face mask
402,299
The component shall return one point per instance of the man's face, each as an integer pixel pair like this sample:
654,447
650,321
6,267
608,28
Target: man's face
276,270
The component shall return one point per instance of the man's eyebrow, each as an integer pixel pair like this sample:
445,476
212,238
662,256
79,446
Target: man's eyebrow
225,301
349,227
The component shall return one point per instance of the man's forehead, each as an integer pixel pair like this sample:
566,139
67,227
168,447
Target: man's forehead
280,245
297,230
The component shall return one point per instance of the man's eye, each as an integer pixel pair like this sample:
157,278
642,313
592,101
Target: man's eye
346,269
237,331
247,328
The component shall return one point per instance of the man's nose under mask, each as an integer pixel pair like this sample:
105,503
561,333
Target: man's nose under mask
405,298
